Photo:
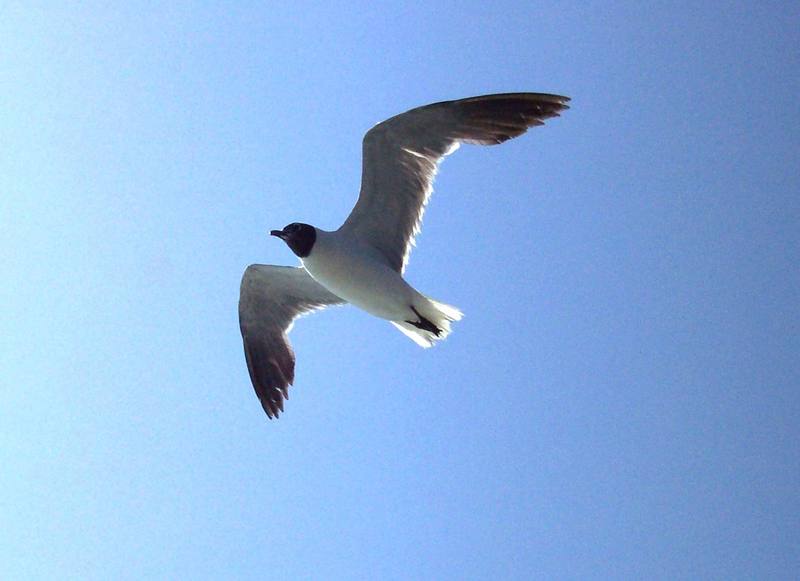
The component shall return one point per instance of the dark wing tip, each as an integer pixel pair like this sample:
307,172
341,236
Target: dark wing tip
493,119
271,372
536,97
273,407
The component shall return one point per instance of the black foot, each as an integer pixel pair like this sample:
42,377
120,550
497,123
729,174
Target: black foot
424,324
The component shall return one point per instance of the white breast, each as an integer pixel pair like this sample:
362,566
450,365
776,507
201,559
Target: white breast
359,277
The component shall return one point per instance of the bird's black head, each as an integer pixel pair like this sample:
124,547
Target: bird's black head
299,237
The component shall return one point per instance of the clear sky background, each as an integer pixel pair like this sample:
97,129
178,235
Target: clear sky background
621,399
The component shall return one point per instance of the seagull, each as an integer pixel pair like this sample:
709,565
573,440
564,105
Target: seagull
362,263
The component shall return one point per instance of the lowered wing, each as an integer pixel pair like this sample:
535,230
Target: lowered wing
271,298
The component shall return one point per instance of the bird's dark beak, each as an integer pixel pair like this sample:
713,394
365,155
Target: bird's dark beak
279,233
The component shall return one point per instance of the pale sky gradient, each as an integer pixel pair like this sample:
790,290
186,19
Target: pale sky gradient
620,401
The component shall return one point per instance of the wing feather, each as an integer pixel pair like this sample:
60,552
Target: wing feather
270,299
401,156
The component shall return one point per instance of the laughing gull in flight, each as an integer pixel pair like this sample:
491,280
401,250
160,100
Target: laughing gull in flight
362,262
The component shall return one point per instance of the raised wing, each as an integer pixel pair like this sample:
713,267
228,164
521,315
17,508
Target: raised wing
401,155
270,299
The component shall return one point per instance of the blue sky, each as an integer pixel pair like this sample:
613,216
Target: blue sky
621,399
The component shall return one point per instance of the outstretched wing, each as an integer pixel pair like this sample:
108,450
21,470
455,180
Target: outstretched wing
401,155
270,299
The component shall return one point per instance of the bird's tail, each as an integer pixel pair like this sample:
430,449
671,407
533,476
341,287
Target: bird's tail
428,322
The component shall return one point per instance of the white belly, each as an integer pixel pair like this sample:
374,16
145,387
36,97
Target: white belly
361,280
